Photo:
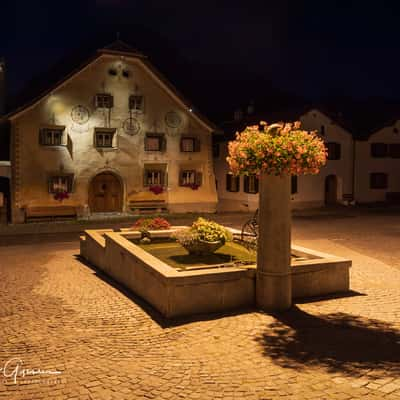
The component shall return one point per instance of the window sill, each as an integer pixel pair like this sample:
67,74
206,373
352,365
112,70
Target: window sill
53,146
106,148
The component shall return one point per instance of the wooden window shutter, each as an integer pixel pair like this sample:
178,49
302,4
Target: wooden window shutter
111,101
338,151
42,132
197,144
228,182
144,177
256,183
237,183
181,145
293,185
165,178
246,184
181,178
163,143
198,178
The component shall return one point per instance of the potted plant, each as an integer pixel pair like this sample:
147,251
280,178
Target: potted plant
144,225
203,237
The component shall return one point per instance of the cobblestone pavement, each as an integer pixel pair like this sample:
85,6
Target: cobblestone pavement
58,314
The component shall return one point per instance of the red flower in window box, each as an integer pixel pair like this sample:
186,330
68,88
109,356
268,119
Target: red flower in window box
156,189
193,186
61,195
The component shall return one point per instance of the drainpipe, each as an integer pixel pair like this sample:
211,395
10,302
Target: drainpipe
353,180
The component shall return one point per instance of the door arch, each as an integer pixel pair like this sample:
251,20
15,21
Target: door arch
105,193
331,189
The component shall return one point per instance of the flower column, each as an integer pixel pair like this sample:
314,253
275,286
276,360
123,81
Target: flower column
274,284
274,152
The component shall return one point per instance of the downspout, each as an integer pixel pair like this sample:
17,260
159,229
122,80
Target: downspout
353,180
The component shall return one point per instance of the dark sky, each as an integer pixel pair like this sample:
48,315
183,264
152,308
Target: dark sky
313,49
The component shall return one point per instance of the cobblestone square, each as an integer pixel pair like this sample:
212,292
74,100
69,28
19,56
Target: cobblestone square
59,314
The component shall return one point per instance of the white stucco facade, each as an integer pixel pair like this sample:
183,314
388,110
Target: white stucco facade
311,189
34,163
366,165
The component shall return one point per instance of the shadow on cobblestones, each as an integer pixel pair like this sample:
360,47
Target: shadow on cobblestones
338,342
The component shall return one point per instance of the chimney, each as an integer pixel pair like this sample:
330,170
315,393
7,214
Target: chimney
2,87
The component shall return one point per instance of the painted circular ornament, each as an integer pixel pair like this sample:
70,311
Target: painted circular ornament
131,126
173,119
80,114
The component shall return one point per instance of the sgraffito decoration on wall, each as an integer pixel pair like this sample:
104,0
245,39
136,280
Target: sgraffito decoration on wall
131,126
80,114
173,119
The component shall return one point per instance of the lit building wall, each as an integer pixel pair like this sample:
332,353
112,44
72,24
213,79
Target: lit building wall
78,156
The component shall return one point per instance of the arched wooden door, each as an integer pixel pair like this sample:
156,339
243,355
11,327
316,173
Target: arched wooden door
331,189
105,193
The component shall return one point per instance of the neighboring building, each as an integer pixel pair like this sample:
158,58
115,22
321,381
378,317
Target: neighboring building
334,184
378,165
5,165
104,135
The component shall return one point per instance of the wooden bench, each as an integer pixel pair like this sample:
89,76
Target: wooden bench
36,213
147,205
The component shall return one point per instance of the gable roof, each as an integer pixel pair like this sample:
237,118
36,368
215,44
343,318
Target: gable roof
60,74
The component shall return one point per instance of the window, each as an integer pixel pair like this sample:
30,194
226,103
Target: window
333,151
250,184
104,137
379,150
190,178
155,142
378,180
190,144
136,103
232,183
153,177
293,184
215,150
104,100
60,184
51,136
394,150
322,131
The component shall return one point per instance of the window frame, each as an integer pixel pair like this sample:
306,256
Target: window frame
229,178
132,103
372,182
197,178
337,151
59,129
161,173
392,153
376,154
104,131
69,183
247,183
294,185
162,142
196,144
101,100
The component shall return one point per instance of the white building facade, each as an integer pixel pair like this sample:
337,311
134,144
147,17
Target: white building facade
334,184
378,166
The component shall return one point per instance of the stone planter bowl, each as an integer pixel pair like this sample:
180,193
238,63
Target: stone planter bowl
200,247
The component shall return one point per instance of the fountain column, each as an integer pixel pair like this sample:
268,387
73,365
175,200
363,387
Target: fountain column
274,283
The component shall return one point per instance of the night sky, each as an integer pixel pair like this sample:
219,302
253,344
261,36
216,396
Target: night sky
221,52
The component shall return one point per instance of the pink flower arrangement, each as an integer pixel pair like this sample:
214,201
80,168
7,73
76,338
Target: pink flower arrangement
61,195
156,223
276,149
156,189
